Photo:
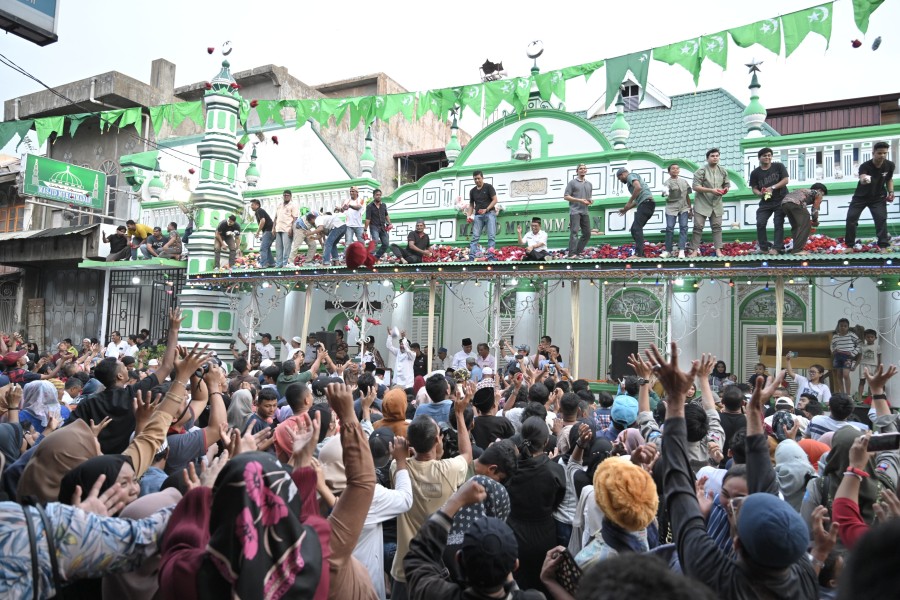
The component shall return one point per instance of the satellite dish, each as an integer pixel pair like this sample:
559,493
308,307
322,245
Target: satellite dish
535,49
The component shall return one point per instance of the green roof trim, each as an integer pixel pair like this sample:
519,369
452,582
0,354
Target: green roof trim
318,187
874,133
133,265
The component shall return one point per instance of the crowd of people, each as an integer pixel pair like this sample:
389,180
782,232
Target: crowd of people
297,474
291,227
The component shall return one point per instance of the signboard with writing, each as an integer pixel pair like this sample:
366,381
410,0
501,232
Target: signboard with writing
64,183
33,20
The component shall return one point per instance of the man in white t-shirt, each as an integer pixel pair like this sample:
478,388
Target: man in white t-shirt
869,357
353,208
131,346
786,404
535,241
116,347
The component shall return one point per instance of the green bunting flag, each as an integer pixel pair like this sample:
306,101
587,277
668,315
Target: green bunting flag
617,68
551,84
362,109
715,48
523,91
393,104
686,53
470,97
47,126
766,33
430,102
586,69
76,120
10,129
301,111
862,10
268,110
495,92
797,25
187,110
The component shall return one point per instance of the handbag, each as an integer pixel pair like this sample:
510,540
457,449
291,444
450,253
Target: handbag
51,547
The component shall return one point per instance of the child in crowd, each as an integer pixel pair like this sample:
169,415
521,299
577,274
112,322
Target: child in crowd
869,358
844,352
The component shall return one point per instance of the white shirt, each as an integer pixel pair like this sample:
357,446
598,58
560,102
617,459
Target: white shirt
338,219
130,350
386,504
820,390
326,222
804,422
539,240
487,361
403,365
267,350
113,350
354,215
459,359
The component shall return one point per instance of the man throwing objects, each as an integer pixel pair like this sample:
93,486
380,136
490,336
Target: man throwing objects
417,244
794,207
482,200
874,190
227,234
769,181
643,199
710,184
535,241
578,194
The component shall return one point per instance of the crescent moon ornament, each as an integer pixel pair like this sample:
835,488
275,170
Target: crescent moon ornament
824,12
535,49
226,48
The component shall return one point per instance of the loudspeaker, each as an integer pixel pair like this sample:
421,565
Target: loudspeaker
620,350
329,339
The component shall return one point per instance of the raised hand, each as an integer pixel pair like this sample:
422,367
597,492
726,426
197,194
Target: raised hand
675,381
879,378
763,392
888,507
108,503
96,429
144,406
707,364
642,368
704,499
340,397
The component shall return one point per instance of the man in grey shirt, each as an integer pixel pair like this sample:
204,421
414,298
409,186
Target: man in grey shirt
578,195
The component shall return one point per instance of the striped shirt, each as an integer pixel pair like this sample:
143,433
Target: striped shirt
845,344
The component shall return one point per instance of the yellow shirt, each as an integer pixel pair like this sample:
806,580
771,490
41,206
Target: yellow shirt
142,231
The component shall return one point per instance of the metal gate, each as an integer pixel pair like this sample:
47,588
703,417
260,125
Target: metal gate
142,299
9,318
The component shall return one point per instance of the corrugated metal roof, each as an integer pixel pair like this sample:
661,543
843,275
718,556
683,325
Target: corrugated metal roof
695,123
46,233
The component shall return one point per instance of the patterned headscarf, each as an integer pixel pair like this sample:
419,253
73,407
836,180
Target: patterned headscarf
258,547
496,504
41,399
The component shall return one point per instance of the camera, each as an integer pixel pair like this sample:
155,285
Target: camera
202,370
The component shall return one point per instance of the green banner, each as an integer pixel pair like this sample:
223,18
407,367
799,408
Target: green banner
64,183
617,68
766,33
862,10
686,53
715,48
797,25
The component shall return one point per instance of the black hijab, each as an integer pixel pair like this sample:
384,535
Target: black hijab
11,441
87,473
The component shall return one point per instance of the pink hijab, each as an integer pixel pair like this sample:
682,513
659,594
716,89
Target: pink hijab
631,439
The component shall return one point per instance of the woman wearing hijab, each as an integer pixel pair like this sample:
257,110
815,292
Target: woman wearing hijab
630,439
53,458
719,375
793,471
254,534
496,504
11,441
535,491
40,401
240,409
882,471
627,496
579,439
140,584
588,516
393,409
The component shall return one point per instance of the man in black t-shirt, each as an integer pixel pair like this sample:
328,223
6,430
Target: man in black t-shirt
378,223
417,243
874,190
227,234
482,200
769,181
264,234
118,245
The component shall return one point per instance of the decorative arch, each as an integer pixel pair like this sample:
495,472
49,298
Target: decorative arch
521,138
756,316
633,304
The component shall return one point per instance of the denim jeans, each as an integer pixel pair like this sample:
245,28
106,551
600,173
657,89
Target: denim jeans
489,219
353,234
265,249
767,209
682,219
282,248
379,235
331,243
643,213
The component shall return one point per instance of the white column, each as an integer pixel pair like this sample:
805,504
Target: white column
684,324
401,318
528,319
889,333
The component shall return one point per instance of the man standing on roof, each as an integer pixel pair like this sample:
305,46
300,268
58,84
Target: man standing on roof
710,185
482,200
874,190
578,194
643,199
378,223
769,181
285,215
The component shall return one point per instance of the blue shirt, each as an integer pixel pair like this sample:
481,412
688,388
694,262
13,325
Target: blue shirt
152,480
645,193
440,411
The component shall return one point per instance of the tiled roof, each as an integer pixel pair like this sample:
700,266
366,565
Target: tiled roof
695,123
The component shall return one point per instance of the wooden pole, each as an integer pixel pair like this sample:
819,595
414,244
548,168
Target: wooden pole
779,322
307,307
576,324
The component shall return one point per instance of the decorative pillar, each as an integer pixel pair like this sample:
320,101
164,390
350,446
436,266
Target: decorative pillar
432,287
453,147
401,318
367,158
620,127
294,308
576,325
683,320
208,316
755,113
528,318
889,329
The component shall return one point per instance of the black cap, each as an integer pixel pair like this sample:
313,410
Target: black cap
380,445
467,342
489,552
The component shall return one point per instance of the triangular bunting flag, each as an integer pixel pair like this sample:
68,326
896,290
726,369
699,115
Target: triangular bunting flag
617,68
715,48
686,54
797,25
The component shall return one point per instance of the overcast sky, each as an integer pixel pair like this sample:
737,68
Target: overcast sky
425,45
